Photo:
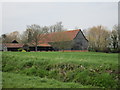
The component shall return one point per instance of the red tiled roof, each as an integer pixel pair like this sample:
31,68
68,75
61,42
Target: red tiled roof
59,36
44,45
41,44
13,45
56,37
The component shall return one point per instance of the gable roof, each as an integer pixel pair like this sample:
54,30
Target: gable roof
45,39
13,45
59,36
14,41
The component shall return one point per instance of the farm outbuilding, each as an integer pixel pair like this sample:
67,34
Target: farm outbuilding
72,40
66,40
13,46
40,47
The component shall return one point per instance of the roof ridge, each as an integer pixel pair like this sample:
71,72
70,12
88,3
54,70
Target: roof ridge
67,31
64,31
73,30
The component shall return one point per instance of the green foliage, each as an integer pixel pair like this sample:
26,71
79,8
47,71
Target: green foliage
11,80
86,68
8,68
20,49
83,77
28,64
42,73
102,40
53,74
23,51
105,80
29,71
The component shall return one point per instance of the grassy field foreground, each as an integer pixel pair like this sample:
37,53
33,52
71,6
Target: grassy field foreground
59,70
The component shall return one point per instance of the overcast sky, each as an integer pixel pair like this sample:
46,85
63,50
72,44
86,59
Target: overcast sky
15,16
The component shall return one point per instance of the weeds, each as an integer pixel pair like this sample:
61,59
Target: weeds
89,72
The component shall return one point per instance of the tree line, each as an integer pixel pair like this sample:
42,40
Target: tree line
103,40
100,38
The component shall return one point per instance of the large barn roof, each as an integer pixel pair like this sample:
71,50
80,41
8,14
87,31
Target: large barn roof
59,36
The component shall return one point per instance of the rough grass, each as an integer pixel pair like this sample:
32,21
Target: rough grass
11,80
87,69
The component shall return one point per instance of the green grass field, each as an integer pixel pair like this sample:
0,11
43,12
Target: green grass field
59,70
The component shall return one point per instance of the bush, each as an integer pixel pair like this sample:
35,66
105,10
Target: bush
20,49
23,51
107,50
115,50
91,49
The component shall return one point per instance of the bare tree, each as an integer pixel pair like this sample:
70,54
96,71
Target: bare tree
3,37
7,38
115,40
58,27
45,29
24,37
37,34
98,38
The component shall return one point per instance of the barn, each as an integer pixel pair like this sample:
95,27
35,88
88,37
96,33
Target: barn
13,46
66,40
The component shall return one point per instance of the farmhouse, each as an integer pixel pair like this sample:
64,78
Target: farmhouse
66,40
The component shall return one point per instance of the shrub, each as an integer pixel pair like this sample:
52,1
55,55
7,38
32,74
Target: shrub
20,49
107,50
23,51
